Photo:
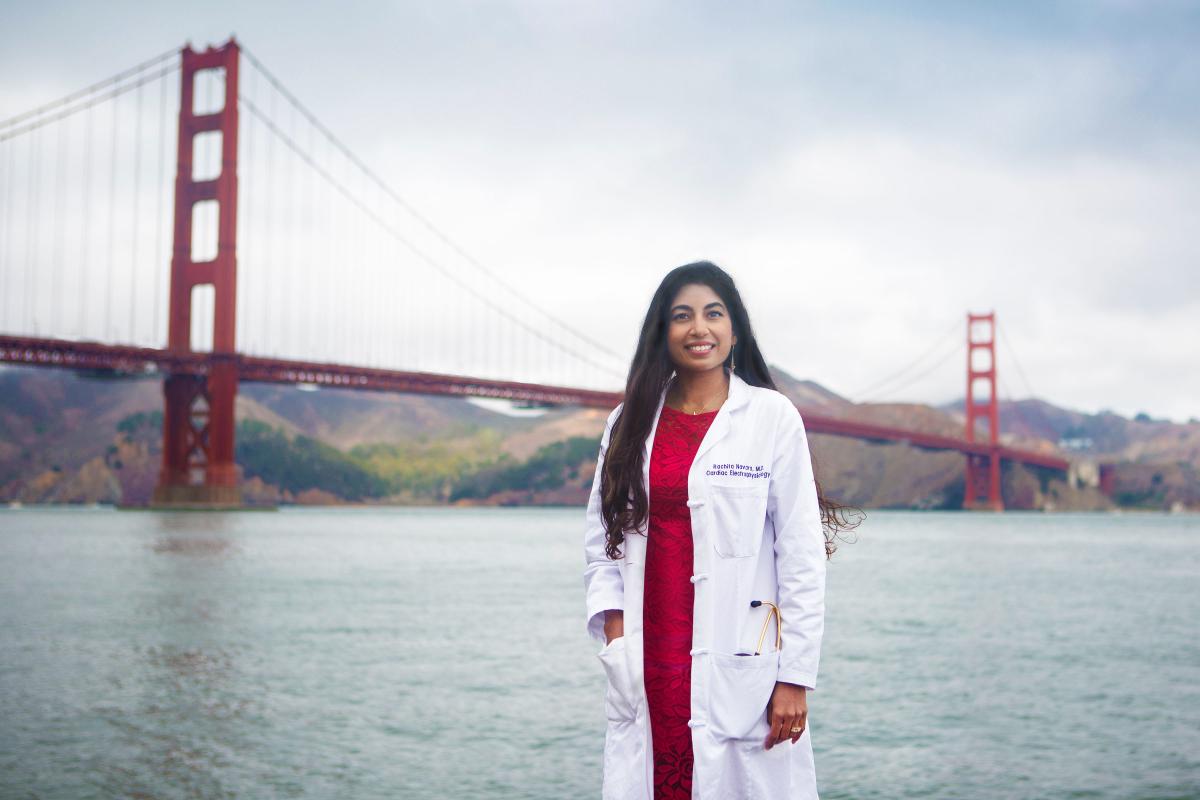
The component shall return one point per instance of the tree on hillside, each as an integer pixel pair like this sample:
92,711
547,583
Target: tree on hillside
302,463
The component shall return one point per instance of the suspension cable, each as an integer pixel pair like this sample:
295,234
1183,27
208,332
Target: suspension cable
954,350
246,184
1013,354
159,267
6,230
938,344
32,226
95,87
56,258
1015,406
94,101
112,224
137,198
419,253
85,257
420,218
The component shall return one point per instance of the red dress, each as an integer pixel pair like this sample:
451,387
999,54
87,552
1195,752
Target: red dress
667,604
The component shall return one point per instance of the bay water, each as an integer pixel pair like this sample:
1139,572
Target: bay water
441,653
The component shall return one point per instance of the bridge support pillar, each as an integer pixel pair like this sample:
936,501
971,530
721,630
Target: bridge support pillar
198,466
982,485
983,482
1108,479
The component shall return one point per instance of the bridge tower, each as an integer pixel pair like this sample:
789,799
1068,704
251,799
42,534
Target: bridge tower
198,465
983,471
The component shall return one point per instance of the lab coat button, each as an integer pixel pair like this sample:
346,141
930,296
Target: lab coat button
699,576
699,651
695,503
696,723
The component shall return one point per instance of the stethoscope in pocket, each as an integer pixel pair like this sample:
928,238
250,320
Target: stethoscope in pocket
773,613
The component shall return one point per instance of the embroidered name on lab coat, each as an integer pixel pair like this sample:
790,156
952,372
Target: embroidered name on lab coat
738,471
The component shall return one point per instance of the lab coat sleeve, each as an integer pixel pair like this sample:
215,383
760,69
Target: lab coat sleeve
799,551
603,586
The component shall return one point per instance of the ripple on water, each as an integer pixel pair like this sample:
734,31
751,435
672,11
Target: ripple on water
419,654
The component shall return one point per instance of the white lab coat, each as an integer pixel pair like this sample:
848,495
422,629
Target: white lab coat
757,535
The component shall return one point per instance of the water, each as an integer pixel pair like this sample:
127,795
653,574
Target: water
440,653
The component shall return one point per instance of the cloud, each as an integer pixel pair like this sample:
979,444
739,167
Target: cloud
867,173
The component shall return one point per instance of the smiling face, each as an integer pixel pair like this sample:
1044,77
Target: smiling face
699,330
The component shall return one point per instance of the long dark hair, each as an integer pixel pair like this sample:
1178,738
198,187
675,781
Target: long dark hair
624,505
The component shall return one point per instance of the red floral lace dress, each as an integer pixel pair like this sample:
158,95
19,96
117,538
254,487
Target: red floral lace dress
667,608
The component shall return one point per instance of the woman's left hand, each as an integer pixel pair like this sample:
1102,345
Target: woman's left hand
787,712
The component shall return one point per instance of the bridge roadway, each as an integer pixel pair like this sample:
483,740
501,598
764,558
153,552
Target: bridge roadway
134,361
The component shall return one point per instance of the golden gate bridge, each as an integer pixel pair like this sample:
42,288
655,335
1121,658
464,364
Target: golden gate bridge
289,257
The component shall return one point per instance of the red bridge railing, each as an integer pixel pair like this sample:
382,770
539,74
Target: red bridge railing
140,360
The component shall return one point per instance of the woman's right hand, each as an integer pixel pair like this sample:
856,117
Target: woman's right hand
614,625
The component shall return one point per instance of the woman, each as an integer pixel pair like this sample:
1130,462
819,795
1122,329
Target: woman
706,548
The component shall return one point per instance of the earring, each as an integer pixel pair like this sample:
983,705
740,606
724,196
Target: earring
731,362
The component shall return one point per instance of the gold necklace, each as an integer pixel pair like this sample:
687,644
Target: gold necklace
703,409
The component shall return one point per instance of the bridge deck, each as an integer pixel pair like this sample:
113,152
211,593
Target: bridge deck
142,361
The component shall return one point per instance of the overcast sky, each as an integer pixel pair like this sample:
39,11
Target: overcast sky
868,172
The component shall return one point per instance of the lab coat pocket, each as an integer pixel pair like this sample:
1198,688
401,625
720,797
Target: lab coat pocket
739,691
738,514
618,698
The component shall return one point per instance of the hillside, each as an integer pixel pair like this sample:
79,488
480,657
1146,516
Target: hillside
1157,462
69,438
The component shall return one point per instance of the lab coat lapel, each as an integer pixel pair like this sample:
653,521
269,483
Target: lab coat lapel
719,429
739,393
